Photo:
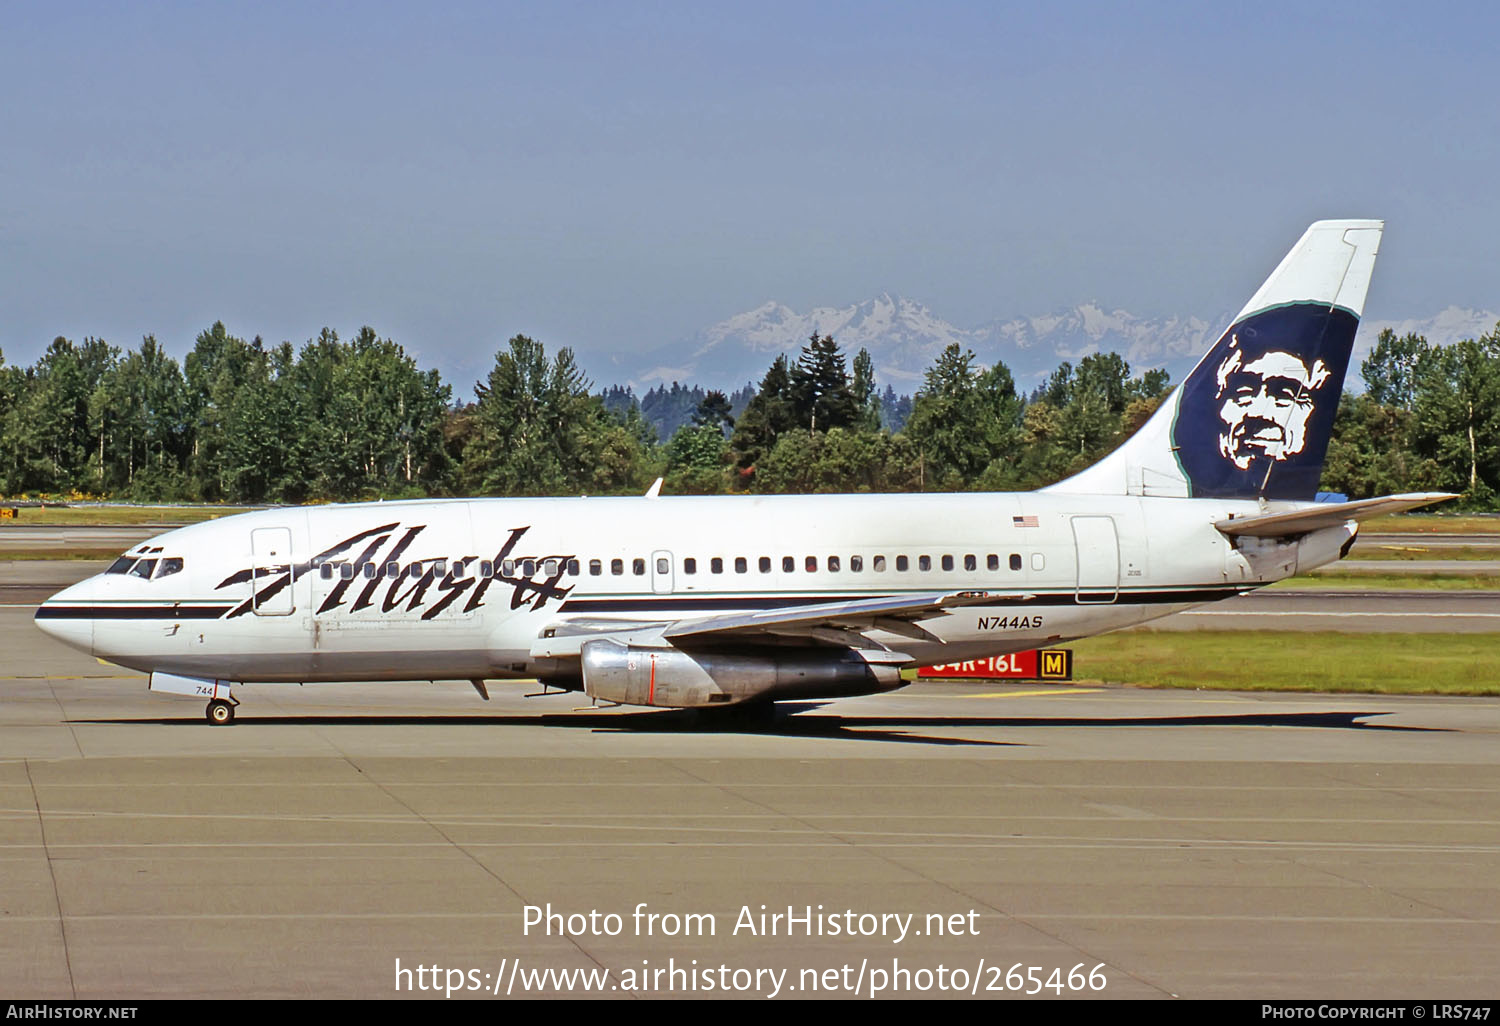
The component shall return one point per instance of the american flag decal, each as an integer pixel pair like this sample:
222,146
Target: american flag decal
1023,521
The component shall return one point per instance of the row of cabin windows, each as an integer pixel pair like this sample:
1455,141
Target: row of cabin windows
529,568
835,564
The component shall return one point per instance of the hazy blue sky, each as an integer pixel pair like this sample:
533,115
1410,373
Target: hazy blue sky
614,176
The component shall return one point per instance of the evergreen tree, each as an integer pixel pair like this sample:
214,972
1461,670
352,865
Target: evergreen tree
963,419
866,399
670,408
822,395
1457,407
538,431
895,410
1394,367
714,411
769,415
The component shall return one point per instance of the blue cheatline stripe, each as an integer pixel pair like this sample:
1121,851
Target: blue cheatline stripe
672,604
753,602
122,612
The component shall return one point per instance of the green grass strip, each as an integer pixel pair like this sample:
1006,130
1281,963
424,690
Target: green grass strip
1388,664
1389,582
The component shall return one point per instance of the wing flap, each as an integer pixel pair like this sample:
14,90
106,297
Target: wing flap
896,614
829,623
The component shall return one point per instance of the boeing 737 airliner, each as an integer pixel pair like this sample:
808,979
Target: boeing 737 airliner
717,601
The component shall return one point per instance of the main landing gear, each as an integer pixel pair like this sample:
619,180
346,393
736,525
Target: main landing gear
220,713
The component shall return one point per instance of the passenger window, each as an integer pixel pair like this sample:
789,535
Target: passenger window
1015,561
486,569
948,562
902,563
971,563
878,565
638,567
595,568
346,571
765,564
663,565
617,567
856,563
440,568
716,565
992,561
325,571
528,568
690,565
788,564
368,569
812,564
574,568
740,566
833,564
121,565
551,568
924,563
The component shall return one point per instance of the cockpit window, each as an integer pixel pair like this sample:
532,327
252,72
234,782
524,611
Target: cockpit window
170,565
121,565
143,568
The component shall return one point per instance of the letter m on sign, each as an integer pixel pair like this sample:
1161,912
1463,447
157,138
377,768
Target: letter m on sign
1057,664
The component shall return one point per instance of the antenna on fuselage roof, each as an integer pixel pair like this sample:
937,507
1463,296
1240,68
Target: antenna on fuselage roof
654,492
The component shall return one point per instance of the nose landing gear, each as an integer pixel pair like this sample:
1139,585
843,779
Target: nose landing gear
220,713
221,703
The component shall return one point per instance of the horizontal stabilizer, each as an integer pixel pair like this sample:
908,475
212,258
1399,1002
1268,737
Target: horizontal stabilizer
1325,514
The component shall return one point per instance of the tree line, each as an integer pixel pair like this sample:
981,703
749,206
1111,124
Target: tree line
343,420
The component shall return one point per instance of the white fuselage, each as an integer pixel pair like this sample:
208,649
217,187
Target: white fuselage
463,589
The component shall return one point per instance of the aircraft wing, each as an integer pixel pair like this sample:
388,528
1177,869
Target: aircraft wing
830,623
1325,514
837,622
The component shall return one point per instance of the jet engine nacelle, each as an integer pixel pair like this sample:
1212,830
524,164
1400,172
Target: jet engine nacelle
641,675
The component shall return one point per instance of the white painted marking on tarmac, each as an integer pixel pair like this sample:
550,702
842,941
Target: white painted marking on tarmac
1175,844
1011,694
1297,612
632,785
593,821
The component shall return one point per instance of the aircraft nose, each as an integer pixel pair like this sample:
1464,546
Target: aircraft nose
68,616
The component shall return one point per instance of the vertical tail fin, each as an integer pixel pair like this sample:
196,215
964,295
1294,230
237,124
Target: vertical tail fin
1253,418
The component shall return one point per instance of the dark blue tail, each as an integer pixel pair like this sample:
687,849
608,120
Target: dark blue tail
1256,414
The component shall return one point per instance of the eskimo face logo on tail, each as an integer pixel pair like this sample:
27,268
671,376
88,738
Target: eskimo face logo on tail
1266,404
1256,415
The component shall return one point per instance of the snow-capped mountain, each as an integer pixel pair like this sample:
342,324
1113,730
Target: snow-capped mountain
1447,326
904,337
1034,346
